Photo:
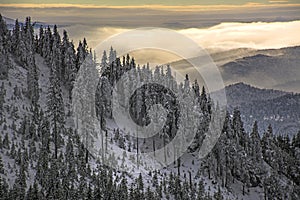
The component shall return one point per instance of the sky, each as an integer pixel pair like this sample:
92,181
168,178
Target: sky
148,2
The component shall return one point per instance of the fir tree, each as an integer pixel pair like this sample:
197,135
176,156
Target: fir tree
256,150
19,188
3,189
201,190
16,38
55,106
238,128
1,166
40,43
218,195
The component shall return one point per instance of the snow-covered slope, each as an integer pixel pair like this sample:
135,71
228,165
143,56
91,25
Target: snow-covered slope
43,157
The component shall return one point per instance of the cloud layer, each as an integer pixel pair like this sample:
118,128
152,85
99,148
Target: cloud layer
251,25
258,35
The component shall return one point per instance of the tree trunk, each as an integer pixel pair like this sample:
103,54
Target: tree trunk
165,156
106,135
137,149
190,177
178,166
102,144
86,155
55,140
153,147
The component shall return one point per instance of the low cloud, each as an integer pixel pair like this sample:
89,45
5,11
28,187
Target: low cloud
257,35
278,1
224,36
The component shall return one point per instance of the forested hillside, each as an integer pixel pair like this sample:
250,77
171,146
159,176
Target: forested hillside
42,156
278,108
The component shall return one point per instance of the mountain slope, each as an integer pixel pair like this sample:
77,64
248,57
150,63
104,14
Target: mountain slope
270,68
242,93
263,70
267,106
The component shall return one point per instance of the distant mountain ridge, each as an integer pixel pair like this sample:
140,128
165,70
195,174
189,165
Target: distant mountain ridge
271,68
235,94
268,69
10,23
